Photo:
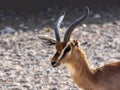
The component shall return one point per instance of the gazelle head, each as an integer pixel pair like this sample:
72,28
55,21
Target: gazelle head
66,49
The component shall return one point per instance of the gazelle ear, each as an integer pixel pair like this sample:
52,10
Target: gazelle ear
47,40
75,43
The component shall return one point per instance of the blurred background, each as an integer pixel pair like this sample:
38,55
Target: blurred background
36,5
25,60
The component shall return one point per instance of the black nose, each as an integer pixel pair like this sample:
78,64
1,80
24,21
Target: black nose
53,64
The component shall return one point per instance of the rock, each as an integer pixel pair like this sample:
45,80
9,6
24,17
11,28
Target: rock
23,27
84,25
8,30
97,16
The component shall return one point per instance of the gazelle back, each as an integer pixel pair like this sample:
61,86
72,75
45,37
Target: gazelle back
70,53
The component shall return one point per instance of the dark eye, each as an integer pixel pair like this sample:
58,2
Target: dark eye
67,49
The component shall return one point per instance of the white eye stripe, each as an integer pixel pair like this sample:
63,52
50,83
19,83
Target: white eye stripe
61,55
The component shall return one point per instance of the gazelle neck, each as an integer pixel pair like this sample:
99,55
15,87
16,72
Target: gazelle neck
81,71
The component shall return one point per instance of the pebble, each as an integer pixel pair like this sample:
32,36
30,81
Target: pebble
97,16
8,30
84,25
23,27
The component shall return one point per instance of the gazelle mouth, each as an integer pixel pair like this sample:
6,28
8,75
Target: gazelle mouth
54,64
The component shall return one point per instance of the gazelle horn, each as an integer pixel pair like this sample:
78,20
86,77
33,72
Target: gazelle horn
74,25
57,26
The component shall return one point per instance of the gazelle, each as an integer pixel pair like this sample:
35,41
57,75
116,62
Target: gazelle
70,53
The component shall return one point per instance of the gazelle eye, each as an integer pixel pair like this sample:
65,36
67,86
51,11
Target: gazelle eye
67,49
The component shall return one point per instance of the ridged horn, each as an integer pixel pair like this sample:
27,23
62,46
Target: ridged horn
74,25
57,26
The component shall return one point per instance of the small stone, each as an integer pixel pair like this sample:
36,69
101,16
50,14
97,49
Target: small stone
47,29
23,27
35,30
97,16
84,25
8,30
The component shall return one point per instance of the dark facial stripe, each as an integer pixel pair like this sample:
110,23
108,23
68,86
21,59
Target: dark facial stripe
66,51
57,54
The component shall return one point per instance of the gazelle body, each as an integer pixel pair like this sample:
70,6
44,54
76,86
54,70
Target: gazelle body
70,53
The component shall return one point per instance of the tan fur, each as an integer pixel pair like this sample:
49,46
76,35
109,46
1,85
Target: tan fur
103,78
71,54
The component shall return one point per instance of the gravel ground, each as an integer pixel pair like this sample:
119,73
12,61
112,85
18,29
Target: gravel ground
25,60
